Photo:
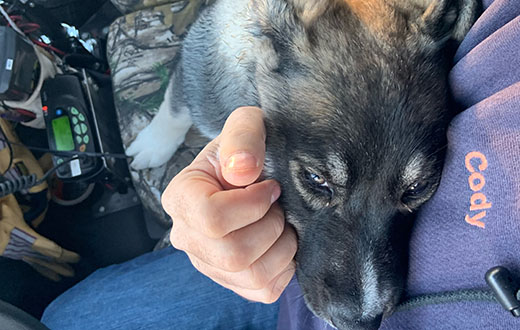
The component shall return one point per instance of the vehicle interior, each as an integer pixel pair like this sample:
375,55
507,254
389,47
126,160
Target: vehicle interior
80,80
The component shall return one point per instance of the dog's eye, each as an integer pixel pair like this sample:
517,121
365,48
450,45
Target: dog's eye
318,179
317,182
415,190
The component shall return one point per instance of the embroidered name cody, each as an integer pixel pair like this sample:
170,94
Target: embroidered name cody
476,164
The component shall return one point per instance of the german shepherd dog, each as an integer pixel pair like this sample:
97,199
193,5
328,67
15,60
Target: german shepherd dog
356,109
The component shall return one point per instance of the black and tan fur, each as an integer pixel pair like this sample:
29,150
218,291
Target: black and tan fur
356,108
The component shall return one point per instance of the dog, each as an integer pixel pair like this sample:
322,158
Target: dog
356,102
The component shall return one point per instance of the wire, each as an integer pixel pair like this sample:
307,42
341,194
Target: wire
12,186
11,155
44,45
28,181
10,21
12,6
26,27
5,106
86,153
52,170
71,153
31,27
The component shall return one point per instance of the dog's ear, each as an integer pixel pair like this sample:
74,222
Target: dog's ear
443,20
309,10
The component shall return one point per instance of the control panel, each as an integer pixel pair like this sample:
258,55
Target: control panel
68,125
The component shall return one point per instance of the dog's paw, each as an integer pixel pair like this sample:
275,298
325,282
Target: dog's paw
153,148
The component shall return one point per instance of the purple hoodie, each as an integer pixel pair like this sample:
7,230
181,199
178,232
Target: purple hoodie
473,221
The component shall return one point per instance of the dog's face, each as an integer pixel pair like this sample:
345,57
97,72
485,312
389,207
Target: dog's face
356,113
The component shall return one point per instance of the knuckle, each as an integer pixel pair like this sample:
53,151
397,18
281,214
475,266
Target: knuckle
168,202
235,261
293,241
257,211
260,276
269,297
204,268
185,244
198,266
212,223
176,240
261,207
171,200
278,224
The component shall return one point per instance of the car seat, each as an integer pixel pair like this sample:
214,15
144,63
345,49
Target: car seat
142,50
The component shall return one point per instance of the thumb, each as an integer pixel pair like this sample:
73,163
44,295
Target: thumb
242,146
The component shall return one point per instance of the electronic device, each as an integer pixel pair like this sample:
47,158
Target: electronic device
19,66
80,118
69,126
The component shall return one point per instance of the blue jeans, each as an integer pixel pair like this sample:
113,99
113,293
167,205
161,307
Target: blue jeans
159,290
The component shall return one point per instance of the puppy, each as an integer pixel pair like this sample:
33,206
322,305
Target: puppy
355,100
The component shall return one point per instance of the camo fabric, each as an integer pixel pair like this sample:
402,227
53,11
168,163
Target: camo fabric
142,48
128,6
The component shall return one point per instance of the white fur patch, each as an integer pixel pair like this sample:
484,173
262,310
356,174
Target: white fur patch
157,143
338,169
413,169
371,301
235,44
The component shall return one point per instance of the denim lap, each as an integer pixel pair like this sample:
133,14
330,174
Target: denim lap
159,290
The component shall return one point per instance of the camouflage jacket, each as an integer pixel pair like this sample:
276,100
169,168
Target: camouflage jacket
142,48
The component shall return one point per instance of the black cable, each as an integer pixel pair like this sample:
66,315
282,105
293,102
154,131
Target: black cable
447,297
5,106
71,153
92,176
11,154
55,168
28,181
85,153
15,185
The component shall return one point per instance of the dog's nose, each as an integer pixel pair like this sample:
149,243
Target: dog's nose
345,321
351,309
343,317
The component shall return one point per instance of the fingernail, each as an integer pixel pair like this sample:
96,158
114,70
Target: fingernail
276,193
241,161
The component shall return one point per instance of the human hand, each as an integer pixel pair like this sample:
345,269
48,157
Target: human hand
230,226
